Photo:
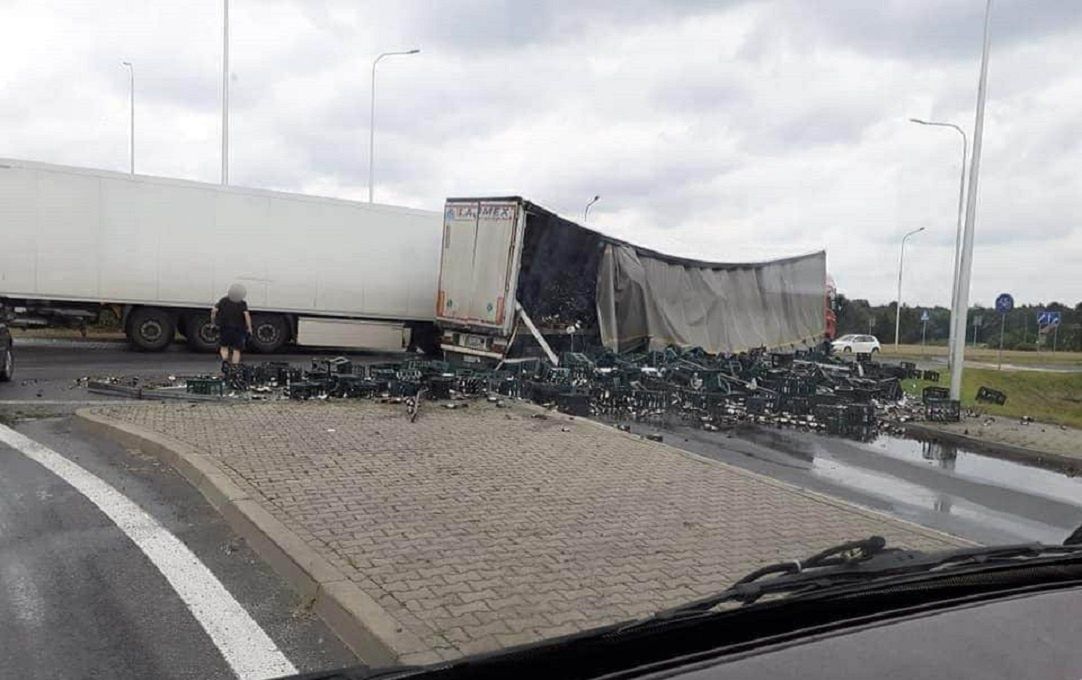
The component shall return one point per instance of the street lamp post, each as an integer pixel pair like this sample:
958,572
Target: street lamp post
372,119
965,259
961,213
131,128
225,92
898,307
586,212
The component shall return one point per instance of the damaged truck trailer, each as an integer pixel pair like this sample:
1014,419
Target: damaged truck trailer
159,252
515,277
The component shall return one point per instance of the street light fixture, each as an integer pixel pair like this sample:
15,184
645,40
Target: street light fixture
961,210
131,99
586,212
372,118
898,308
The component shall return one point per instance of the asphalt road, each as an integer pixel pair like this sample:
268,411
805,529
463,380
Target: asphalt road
966,493
79,598
46,371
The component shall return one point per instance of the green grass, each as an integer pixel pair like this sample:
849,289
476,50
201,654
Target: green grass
986,355
1047,397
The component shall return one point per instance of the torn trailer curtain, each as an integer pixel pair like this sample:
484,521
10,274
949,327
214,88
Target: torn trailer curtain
648,300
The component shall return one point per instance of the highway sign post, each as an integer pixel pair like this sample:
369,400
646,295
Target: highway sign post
1004,304
923,329
1048,322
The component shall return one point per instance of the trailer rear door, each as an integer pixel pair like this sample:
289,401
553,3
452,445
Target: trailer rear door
482,242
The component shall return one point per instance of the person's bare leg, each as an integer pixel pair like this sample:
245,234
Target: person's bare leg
223,352
235,359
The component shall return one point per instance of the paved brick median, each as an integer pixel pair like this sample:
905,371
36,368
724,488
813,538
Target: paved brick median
484,528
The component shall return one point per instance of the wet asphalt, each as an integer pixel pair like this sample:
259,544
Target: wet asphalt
78,598
970,494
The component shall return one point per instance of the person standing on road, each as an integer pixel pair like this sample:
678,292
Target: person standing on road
234,324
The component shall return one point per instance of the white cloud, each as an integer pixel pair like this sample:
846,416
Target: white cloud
736,131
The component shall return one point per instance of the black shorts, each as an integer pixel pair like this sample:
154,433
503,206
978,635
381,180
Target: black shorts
232,337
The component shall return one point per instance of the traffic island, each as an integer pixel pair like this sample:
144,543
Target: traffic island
471,530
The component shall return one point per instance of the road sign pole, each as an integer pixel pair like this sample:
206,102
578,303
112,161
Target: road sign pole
1002,323
1055,336
1004,305
923,334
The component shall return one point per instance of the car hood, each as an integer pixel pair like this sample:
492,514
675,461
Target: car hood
1027,636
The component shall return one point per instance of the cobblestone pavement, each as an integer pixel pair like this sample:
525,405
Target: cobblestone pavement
483,528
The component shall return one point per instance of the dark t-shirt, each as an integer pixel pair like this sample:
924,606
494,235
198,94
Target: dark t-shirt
231,313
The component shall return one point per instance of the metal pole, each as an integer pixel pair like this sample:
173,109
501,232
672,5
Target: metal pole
586,212
131,127
372,129
372,119
1002,323
965,262
961,217
898,308
1055,337
923,335
225,92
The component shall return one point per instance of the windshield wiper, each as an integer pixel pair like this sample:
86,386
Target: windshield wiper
851,563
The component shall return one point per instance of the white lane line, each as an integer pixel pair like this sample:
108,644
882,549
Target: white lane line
247,649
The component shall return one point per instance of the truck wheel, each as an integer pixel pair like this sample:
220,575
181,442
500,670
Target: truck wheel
269,333
151,329
7,365
201,335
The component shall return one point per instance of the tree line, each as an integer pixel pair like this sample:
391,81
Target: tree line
982,325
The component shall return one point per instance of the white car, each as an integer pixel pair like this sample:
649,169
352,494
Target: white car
866,344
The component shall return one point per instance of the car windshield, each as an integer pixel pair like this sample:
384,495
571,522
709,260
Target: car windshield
395,333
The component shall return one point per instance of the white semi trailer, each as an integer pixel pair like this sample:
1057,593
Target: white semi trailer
159,252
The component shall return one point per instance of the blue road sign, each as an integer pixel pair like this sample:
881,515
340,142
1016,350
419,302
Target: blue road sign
924,315
1047,318
1004,303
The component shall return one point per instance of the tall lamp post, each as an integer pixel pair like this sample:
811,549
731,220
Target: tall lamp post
225,92
586,212
965,259
372,118
131,127
961,211
898,307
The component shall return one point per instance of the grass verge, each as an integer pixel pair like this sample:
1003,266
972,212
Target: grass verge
1047,397
985,354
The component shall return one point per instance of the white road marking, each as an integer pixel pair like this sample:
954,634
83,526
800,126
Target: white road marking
247,649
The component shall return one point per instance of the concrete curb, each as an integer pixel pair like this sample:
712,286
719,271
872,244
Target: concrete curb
1069,464
355,617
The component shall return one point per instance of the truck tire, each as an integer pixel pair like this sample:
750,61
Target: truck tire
201,335
151,329
7,365
269,333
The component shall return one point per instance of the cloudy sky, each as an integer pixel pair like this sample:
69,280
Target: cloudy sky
726,130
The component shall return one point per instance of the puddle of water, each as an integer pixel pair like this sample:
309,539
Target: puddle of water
974,466
908,494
